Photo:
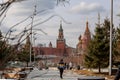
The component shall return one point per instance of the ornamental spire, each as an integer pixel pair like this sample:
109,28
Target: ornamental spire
61,36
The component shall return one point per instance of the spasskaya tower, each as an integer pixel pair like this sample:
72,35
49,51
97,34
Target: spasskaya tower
61,44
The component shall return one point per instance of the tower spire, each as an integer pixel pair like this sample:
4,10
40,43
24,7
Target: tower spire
61,36
50,44
61,26
87,29
61,44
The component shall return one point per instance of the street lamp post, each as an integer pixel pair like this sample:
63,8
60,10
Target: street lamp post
34,13
34,45
31,41
111,26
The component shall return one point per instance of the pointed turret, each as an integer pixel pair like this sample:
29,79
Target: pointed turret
50,44
61,44
80,40
79,45
87,31
61,36
60,30
86,37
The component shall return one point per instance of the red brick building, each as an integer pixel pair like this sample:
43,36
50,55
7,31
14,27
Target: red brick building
61,49
82,46
84,41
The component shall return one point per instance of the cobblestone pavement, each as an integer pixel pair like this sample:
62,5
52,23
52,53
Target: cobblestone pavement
51,74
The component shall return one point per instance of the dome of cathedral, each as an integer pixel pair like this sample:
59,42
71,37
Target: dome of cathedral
79,38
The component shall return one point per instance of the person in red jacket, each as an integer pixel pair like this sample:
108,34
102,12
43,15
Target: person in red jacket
61,67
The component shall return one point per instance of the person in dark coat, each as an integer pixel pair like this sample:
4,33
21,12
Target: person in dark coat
61,67
117,76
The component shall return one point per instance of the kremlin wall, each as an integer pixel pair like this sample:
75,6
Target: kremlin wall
62,50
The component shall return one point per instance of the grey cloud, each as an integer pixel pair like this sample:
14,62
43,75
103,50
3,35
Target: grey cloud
85,8
4,28
27,7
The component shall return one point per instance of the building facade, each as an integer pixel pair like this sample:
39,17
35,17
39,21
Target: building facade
84,40
61,48
82,46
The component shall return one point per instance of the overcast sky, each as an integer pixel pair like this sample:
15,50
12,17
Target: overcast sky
73,15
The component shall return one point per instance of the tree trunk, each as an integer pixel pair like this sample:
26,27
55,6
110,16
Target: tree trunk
99,68
27,63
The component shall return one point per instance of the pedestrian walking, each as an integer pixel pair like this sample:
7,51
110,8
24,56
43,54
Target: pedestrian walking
61,67
70,65
67,66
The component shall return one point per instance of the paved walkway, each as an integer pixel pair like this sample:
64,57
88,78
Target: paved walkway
51,74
